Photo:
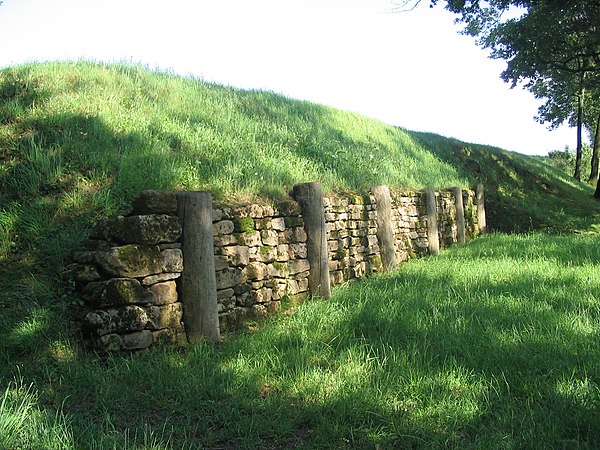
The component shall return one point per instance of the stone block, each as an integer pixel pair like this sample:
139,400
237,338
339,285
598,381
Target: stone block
256,271
223,227
227,239
283,252
267,254
229,278
164,293
153,279
168,316
124,291
169,336
172,260
262,295
298,251
131,261
137,341
142,229
293,236
298,265
237,255
269,237
110,342
279,270
278,223
250,239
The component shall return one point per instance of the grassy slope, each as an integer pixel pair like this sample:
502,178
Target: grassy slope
78,141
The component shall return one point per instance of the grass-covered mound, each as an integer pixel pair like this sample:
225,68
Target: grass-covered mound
388,363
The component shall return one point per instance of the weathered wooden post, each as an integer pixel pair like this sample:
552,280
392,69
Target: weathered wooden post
310,198
460,215
481,209
432,226
198,280
385,231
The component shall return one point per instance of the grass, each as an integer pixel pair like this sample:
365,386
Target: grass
499,351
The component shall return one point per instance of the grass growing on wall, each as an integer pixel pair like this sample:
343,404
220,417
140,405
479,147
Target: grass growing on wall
498,351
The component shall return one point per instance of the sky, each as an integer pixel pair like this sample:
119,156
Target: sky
410,69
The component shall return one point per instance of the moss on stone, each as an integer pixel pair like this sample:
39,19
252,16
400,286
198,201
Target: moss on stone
243,225
291,222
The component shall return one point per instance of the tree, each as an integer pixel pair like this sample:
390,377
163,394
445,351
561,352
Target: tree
544,42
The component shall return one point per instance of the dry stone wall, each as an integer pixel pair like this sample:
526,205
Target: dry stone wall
129,273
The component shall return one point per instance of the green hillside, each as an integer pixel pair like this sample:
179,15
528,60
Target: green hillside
367,369
79,140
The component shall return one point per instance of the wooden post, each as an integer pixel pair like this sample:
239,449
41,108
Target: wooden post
460,215
432,226
385,231
481,209
198,281
310,198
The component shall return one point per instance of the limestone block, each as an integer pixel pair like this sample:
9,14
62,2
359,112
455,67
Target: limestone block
153,279
169,336
229,278
336,277
236,255
298,251
225,304
155,202
256,271
283,252
124,291
278,223
168,316
223,227
298,265
291,288
227,239
262,295
172,260
303,285
137,341
267,254
110,342
217,215
164,293
142,229
131,261
330,216
221,262
269,237
287,208
98,323
225,293
250,239
125,319
257,312
279,270
244,299
293,236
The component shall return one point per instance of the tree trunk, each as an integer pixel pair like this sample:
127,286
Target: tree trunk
597,193
595,154
577,173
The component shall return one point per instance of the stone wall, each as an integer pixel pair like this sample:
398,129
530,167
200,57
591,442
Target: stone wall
130,270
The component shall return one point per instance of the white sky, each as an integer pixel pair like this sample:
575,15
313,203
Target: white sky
409,69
